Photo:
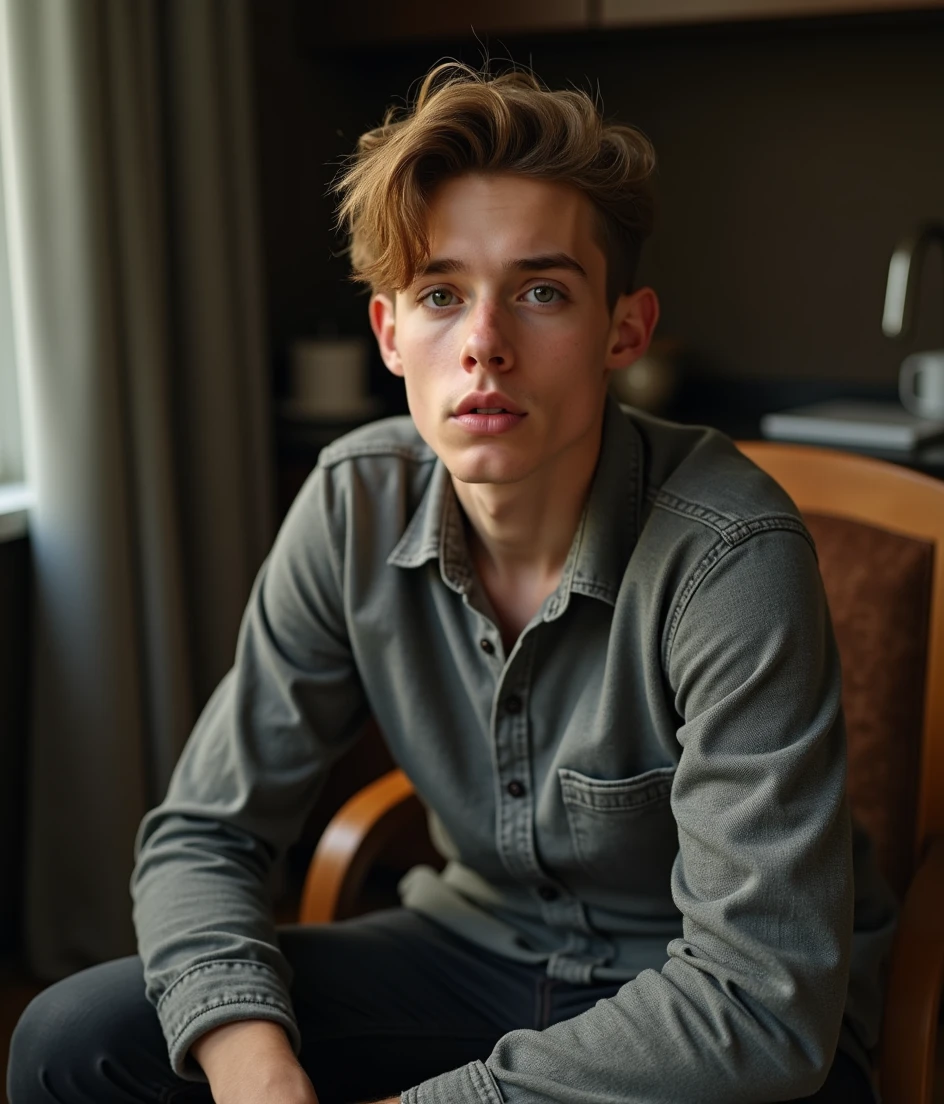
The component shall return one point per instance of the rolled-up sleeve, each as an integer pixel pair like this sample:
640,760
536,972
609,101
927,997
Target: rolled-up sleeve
242,790
749,1004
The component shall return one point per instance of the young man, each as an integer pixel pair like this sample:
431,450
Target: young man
597,643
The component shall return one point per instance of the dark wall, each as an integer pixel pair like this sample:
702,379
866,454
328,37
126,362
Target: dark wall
792,157
14,653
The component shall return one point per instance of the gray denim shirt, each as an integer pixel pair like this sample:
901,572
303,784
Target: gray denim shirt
649,787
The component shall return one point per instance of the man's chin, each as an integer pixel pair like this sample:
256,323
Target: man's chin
486,461
479,473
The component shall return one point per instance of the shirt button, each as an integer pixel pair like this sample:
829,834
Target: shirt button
487,646
547,893
512,704
516,788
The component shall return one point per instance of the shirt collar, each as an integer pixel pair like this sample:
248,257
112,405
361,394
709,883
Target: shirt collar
436,531
605,537
612,517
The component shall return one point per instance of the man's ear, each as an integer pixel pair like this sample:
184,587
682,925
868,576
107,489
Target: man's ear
633,322
383,323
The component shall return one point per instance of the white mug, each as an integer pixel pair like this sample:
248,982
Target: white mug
921,384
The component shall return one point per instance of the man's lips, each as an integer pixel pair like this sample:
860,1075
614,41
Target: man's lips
488,403
488,418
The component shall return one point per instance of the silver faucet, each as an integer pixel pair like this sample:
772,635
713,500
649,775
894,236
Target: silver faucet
904,271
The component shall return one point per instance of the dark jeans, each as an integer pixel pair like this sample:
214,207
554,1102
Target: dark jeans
383,1002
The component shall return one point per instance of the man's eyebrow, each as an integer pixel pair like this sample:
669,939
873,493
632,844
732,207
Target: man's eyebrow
440,266
542,262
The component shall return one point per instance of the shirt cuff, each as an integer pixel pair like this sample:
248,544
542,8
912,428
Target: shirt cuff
218,993
471,1084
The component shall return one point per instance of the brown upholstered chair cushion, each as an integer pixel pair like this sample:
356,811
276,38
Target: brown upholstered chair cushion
878,585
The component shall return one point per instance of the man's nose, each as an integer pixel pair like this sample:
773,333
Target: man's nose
487,342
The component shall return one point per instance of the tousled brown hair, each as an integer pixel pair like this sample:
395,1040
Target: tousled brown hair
468,121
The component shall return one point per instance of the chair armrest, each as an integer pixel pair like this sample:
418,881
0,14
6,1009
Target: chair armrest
912,1003
353,839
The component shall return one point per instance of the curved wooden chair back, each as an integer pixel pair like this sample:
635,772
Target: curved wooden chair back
883,568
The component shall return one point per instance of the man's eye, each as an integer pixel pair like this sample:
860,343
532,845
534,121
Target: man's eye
441,297
544,293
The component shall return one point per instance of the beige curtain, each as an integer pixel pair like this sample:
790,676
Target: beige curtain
129,199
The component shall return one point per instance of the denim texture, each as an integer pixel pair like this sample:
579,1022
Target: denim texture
648,788
383,1001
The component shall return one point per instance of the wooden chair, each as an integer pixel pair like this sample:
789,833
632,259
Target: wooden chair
879,531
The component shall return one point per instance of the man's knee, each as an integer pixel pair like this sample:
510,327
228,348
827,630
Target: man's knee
90,1037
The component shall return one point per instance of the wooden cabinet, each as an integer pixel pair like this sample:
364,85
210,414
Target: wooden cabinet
625,13
377,21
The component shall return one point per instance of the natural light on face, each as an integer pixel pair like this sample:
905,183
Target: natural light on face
501,338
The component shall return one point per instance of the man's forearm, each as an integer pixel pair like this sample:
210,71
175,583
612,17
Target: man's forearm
263,1038
250,1057
252,1060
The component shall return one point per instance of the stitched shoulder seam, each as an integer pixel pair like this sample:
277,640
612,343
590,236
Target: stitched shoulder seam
731,530
684,507
701,569
715,553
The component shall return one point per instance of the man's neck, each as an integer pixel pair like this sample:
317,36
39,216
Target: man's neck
520,535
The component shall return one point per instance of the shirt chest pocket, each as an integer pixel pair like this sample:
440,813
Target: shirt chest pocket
623,832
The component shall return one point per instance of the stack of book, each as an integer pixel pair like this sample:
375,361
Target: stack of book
852,423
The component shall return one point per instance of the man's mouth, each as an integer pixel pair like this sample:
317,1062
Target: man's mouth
485,404
488,421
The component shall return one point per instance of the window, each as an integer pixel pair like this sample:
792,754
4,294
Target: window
15,499
11,446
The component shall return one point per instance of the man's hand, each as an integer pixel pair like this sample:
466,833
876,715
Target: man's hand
252,1062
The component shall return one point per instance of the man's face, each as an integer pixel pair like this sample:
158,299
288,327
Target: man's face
504,339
